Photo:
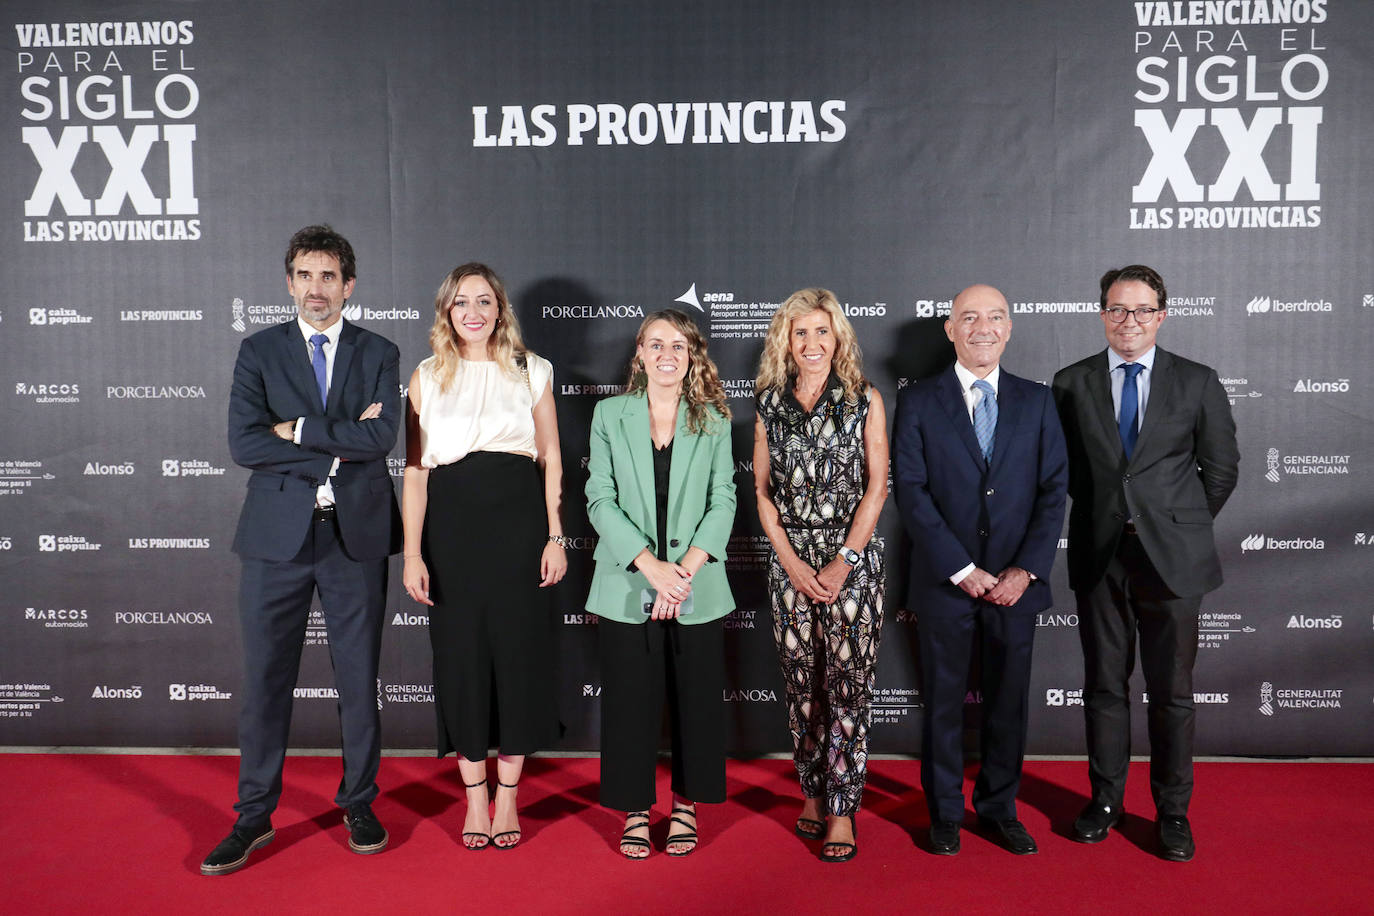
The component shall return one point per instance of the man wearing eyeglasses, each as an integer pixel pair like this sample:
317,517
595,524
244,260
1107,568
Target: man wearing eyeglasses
1152,459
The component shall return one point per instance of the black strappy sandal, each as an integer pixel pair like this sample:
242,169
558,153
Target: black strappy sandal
686,836
851,849
808,828
474,833
842,857
515,833
641,819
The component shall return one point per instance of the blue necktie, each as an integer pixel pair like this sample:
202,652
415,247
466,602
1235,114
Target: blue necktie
321,368
1130,408
985,417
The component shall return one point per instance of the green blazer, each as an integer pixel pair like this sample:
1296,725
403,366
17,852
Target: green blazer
621,506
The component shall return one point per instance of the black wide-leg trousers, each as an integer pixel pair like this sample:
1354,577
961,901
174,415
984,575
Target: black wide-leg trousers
641,665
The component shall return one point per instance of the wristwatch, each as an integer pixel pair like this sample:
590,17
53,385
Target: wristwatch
850,557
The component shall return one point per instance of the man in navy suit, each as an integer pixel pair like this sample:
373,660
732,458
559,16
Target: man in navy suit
313,412
980,472
1153,458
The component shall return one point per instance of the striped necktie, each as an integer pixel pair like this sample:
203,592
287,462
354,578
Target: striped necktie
985,417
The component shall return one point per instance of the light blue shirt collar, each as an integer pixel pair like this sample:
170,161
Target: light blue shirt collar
1147,359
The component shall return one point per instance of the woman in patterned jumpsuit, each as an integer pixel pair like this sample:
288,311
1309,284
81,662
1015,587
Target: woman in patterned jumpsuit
820,475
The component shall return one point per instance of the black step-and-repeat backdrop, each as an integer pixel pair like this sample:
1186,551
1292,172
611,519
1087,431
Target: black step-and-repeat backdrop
613,158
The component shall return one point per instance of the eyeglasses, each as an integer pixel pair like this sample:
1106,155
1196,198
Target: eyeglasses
1116,314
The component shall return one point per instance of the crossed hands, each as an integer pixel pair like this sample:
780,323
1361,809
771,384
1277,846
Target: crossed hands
672,583
822,587
1004,589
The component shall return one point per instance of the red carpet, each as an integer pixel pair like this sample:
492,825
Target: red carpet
125,834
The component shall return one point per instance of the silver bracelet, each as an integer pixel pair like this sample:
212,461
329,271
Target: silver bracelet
560,539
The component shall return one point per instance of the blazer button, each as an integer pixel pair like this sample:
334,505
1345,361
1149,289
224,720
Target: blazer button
1126,478
990,491
673,542
1117,516
982,532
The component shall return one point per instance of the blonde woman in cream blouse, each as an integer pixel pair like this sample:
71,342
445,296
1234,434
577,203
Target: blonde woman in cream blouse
484,541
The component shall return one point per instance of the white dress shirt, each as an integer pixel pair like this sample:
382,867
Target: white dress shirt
972,397
324,496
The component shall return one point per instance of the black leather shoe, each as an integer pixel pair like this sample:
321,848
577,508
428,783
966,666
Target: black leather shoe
1011,834
944,838
365,835
1092,825
232,852
1175,838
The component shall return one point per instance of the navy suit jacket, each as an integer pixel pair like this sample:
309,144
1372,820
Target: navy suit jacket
274,381
959,508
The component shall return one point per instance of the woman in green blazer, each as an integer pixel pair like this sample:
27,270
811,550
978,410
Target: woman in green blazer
661,495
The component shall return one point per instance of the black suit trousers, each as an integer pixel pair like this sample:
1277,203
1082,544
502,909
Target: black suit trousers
1132,604
274,606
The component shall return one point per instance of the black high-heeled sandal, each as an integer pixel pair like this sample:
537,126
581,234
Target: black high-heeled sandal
847,850
515,833
640,819
686,836
475,833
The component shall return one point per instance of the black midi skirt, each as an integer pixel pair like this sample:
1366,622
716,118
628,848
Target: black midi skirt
492,628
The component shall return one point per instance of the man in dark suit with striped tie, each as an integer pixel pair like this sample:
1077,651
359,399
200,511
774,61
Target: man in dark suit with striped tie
314,409
979,473
1152,459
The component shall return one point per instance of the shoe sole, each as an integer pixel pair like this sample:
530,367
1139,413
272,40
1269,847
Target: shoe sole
371,849
217,870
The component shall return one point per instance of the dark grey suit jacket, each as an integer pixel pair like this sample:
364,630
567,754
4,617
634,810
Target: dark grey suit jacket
1182,471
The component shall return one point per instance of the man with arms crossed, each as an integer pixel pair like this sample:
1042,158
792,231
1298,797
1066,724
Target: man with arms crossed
1152,459
313,411
980,473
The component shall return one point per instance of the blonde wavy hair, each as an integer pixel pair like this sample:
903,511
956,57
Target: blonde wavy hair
701,388
506,346
777,368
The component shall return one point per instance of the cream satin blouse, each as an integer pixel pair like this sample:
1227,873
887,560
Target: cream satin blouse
485,410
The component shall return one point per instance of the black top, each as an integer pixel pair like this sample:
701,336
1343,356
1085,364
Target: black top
663,461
